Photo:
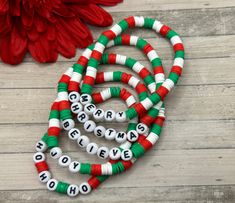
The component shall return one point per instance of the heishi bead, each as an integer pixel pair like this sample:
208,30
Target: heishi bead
110,134
84,188
44,176
99,131
126,155
72,190
141,128
89,109
132,136
85,99
74,167
52,184
68,124
98,114
109,115
74,96
76,107
92,148
74,134
89,126
82,117
83,141
41,146
120,137
56,152
120,116
64,161
115,153
103,152
38,157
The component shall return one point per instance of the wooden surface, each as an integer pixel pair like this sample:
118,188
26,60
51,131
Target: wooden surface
194,160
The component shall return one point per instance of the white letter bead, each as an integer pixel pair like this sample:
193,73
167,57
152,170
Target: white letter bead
99,131
56,152
64,161
52,184
115,153
83,141
74,133
110,134
72,190
92,148
41,146
141,128
76,107
132,136
89,126
74,96
103,152
109,115
121,116
98,114
74,167
68,124
120,137
85,99
44,176
126,155
84,188
89,109
38,157
82,117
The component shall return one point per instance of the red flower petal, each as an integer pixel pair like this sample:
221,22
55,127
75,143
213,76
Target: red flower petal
4,6
5,24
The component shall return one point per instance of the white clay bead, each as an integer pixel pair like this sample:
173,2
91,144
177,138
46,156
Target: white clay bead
141,128
74,167
132,136
115,153
89,126
120,137
103,152
56,152
74,96
92,148
64,161
98,114
38,157
82,117
89,109
52,184
41,146
72,190
83,141
85,99
76,107
120,116
126,155
74,134
85,188
44,176
110,134
109,115
99,131
68,124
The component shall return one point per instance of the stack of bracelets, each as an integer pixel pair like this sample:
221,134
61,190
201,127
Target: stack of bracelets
75,100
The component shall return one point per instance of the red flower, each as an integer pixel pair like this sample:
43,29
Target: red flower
47,28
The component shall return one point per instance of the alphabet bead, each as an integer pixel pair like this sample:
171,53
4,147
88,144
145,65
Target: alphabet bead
41,146
68,124
98,114
141,128
92,148
85,99
44,176
132,136
89,126
120,137
72,190
82,117
103,152
74,96
38,157
74,167
83,141
56,152
64,161
115,153
74,134
89,109
85,188
76,107
110,134
52,184
99,131
126,155
120,116
109,115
